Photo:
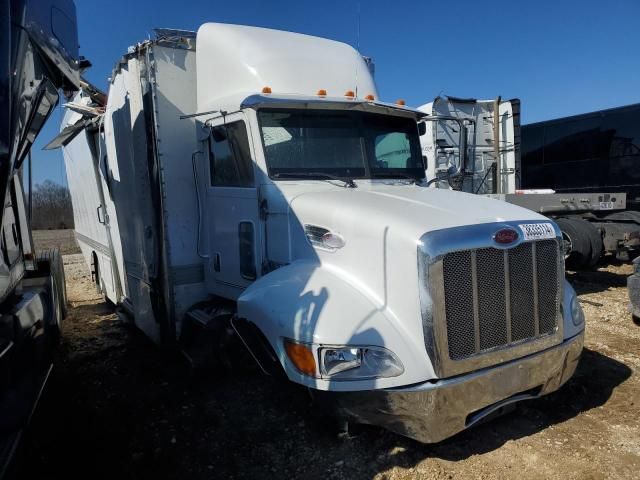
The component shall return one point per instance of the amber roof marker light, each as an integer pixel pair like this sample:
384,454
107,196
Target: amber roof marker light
370,98
401,102
322,93
266,90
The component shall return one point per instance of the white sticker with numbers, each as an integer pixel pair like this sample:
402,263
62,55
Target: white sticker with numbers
537,231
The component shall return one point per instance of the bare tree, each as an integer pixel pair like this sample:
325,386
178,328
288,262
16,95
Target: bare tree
52,207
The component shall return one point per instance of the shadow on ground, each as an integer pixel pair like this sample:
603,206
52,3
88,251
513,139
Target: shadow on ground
118,407
596,281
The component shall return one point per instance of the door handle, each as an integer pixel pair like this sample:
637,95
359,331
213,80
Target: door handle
100,220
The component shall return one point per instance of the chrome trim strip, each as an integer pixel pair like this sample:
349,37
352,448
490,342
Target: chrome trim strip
507,294
536,307
90,242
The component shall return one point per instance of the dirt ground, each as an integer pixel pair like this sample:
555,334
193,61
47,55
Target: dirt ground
117,407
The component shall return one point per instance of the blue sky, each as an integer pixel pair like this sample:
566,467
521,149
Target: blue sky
559,57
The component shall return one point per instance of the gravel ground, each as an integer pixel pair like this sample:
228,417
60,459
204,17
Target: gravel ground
118,407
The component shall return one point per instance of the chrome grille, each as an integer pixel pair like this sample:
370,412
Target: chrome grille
496,297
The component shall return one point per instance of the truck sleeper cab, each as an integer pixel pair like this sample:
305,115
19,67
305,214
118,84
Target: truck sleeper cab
305,216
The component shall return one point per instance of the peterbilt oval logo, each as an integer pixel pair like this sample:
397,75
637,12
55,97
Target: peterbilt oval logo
505,236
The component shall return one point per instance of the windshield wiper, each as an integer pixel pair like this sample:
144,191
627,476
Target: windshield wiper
391,175
348,182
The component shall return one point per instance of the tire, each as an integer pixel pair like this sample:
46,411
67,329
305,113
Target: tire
95,272
61,283
595,238
49,263
577,243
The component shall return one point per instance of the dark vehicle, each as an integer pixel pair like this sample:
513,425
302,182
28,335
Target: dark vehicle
582,156
38,57
594,152
589,153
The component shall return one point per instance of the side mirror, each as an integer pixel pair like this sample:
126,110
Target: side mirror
219,134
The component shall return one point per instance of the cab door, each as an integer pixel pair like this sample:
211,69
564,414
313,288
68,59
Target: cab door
235,232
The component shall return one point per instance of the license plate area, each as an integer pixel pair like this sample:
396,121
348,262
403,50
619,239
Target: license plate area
537,231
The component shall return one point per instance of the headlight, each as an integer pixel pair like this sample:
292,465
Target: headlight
343,362
355,363
577,315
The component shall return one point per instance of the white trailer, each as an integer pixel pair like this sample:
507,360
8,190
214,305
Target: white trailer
254,184
474,146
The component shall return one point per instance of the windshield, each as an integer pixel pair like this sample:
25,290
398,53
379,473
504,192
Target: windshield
344,144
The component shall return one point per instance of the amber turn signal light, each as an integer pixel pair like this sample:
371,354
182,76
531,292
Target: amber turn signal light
302,357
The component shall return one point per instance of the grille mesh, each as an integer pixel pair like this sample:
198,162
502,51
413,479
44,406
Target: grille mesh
459,305
492,313
504,305
521,287
547,290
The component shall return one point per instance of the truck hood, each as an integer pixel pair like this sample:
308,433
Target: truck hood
409,210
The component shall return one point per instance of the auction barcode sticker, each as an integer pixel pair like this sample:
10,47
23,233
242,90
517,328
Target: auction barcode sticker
537,231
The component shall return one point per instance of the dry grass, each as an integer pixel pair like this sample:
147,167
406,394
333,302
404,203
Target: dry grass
64,240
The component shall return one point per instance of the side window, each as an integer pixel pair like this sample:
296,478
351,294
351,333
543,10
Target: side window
230,157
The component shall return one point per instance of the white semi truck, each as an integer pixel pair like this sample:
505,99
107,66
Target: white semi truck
475,146
246,181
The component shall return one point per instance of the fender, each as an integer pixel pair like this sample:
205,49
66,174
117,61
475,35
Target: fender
309,302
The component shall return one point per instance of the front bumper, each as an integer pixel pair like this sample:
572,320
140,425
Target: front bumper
433,411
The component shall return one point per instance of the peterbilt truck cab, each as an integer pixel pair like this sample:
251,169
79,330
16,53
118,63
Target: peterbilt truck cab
306,224
366,284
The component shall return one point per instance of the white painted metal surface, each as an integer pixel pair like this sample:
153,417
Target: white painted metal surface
365,293
235,61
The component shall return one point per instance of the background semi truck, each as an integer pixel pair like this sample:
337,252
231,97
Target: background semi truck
478,146
39,56
246,183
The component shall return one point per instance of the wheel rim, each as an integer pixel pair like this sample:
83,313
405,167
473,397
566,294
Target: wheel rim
567,244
